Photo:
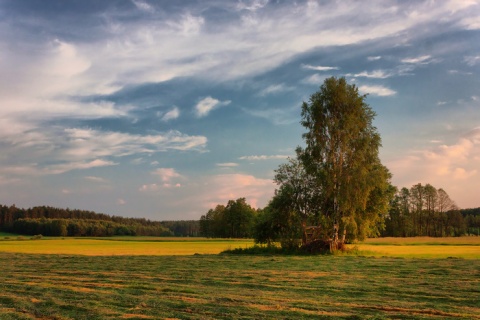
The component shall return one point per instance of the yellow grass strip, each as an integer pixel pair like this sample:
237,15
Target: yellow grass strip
467,240
421,251
97,247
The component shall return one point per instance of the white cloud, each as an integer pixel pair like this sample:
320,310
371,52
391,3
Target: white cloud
376,90
143,6
472,60
167,174
375,74
96,179
207,104
418,60
171,115
451,166
471,23
58,150
318,68
264,157
188,25
315,79
275,88
79,165
221,188
251,5
374,58
227,164
36,169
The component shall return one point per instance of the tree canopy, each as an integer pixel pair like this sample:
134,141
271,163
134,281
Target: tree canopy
337,181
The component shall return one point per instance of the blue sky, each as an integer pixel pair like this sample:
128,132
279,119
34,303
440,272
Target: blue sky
163,109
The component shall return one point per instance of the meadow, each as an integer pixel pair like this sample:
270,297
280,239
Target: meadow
142,282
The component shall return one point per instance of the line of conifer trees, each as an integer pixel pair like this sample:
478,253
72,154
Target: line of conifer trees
424,210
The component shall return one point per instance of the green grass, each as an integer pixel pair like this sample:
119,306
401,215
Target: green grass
36,286
6,234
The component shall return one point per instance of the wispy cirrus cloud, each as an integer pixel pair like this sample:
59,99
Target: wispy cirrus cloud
318,68
143,6
206,105
315,79
227,164
418,60
263,157
171,115
376,90
96,179
375,74
472,60
60,150
277,116
276,88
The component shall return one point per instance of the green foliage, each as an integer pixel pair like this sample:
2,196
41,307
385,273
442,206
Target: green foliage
235,220
337,181
341,154
65,222
77,228
424,210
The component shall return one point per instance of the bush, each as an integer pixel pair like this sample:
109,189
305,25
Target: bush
37,237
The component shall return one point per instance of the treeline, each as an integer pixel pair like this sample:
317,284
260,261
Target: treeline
50,221
80,228
424,210
418,211
183,228
235,220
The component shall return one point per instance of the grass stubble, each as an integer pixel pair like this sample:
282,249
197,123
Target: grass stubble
55,286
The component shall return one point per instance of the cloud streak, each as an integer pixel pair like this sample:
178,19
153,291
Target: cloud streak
376,90
206,105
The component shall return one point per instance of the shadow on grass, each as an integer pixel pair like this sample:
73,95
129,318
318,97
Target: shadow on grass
276,250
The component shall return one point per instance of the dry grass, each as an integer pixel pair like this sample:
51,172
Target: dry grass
107,246
422,247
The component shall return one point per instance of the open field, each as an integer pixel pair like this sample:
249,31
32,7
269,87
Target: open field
422,247
36,286
161,278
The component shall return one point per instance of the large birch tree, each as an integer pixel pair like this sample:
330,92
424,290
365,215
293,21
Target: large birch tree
341,155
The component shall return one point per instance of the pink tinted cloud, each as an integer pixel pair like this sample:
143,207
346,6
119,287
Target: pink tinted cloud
222,188
452,167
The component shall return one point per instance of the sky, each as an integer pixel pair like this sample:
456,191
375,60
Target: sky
164,109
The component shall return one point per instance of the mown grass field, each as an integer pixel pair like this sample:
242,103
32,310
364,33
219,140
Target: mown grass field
76,285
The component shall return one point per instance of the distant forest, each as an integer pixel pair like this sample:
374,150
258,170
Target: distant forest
219,222
50,221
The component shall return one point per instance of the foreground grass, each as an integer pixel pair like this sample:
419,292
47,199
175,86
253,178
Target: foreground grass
236,287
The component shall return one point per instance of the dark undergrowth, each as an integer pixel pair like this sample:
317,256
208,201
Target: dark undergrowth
301,251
